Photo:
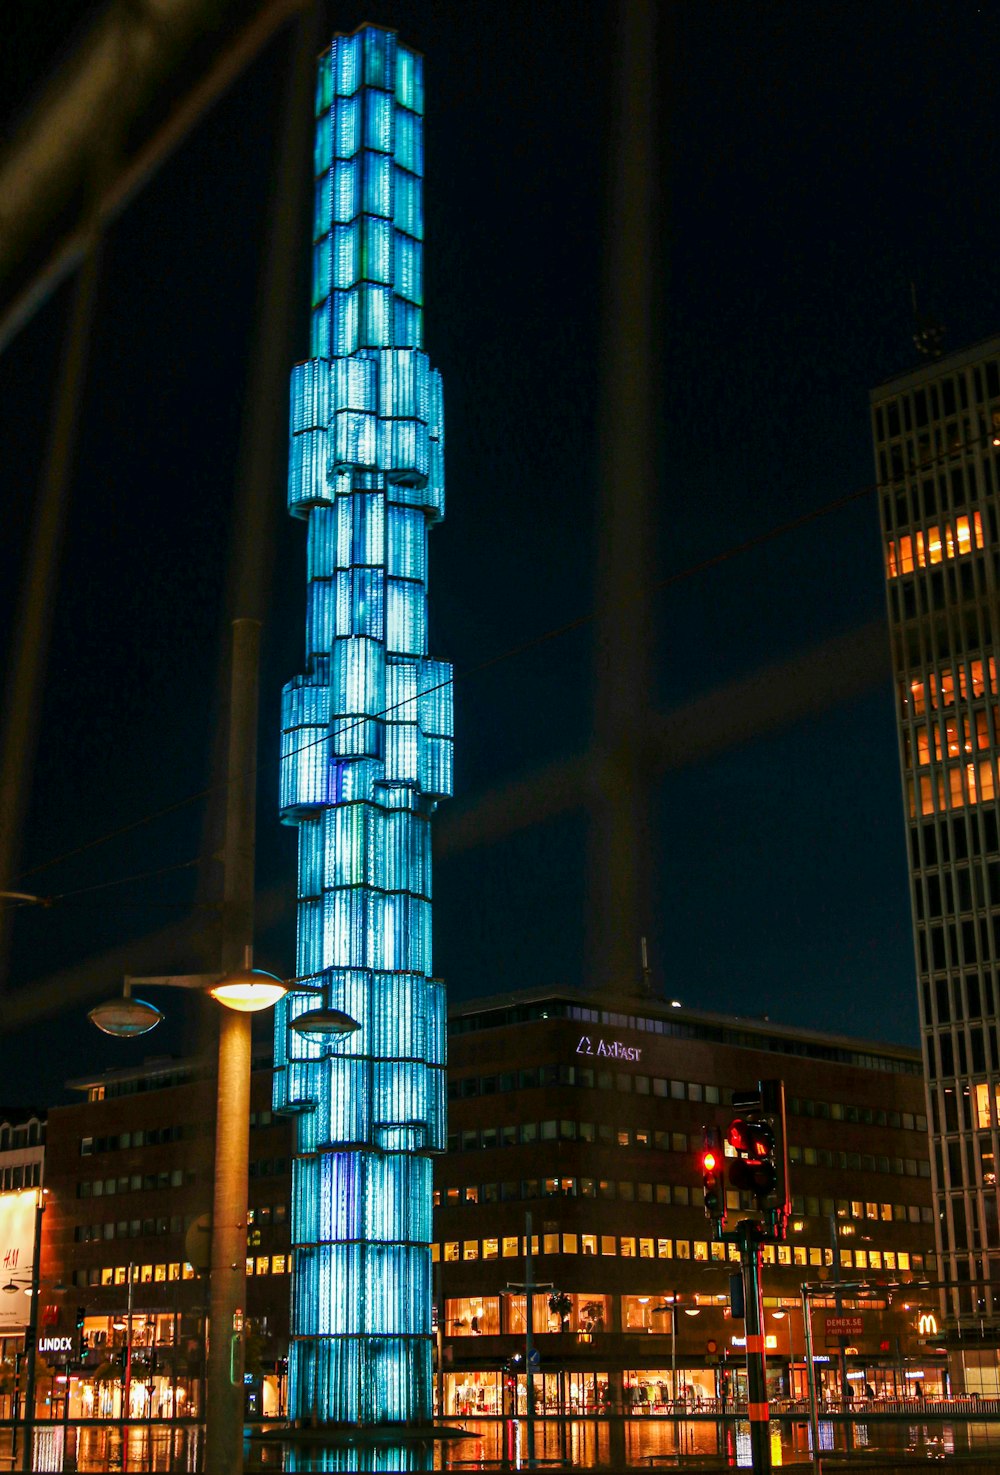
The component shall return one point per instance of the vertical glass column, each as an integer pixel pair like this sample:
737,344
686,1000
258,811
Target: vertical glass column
366,755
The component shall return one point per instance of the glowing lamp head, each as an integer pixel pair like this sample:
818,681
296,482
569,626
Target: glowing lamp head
708,1161
248,990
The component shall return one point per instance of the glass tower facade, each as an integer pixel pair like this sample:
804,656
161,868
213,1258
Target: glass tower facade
366,755
937,445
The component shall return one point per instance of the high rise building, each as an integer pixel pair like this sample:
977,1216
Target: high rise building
937,433
366,755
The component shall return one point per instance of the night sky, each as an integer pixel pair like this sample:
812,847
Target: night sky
815,160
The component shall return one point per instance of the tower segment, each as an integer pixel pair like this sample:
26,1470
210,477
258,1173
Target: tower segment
366,755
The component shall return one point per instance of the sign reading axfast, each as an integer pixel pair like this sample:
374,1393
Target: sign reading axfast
613,1049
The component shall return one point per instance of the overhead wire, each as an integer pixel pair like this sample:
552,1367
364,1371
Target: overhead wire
555,632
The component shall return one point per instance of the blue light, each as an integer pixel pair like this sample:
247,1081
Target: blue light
366,755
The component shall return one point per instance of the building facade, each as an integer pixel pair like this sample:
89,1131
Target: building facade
366,755
937,443
589,1119
128,1198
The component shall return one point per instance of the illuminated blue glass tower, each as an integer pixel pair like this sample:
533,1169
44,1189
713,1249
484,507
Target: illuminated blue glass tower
366,755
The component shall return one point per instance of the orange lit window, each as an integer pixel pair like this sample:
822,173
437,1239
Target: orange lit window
947,688
955,794
982,1107
970,782
976,671
926,802
987,788
982,732
911,798
936,544
917,697
923,746
953,732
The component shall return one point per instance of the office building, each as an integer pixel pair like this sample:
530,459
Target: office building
589,1118
937,442
366,755
129,1174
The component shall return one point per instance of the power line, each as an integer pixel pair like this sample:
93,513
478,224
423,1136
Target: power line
556,632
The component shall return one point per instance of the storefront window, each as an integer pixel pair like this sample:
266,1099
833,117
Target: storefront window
472,1316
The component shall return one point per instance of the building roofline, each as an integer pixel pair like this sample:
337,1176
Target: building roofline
631,1003
931,368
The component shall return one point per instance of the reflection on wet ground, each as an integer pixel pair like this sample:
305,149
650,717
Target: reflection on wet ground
494,1445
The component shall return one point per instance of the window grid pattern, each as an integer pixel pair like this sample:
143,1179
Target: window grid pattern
366,755
937,442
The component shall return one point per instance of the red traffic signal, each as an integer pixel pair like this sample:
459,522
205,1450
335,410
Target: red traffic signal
713,1174
752,1140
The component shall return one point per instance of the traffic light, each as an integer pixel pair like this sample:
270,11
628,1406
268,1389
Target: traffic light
81,1316
713,1174
757,1137
754,1168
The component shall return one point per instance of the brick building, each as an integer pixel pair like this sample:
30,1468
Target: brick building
129,1180
590,1119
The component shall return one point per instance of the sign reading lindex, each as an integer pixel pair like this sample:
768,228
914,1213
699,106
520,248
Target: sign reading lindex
845,1326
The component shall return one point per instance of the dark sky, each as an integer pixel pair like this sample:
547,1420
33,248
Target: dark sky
815,161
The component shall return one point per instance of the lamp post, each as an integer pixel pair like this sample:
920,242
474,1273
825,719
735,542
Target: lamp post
243,990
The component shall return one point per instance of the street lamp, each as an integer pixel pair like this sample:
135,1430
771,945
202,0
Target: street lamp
242,992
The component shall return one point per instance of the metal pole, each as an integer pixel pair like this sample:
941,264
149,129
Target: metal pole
529,1346
811,1375
841,1341
227,1279
30,1338
757,1407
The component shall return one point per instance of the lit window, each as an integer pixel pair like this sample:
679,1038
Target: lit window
628,1246
700,1249
278,1265
986,785
982,1092
451,1249
174,1271
470,1249
570,1244
609,1245
664,1249
682,1249
903,1260
159,1272
510,1246
491,1249
249,1264
645,1249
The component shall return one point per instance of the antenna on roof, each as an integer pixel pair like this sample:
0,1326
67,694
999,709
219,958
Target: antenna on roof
928,333
647,985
